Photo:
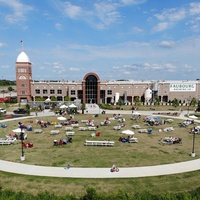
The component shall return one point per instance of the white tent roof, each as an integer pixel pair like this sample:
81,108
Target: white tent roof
63,106
128,132
61,118
18,130
72,106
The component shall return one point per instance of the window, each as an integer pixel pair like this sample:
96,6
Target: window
45,92
37,91
23,85
109,92
21,70
59,91
52,91
73,92
23,92
59,98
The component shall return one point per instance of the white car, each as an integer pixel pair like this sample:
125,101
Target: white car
2,110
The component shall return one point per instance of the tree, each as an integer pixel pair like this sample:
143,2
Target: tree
193,102
67,98
10,89
157,101
53,98
83,108
120,102
175,102
137,101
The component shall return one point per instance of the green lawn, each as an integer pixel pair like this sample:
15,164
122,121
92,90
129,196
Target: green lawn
147,151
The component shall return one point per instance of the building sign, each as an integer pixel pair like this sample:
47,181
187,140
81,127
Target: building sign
180,87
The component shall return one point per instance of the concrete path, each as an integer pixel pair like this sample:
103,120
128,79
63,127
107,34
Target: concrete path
131,172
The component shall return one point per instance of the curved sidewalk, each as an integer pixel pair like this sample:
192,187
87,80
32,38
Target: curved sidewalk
131,172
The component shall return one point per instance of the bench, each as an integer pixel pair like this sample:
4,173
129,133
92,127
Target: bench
84,121
99,143
37,130
117,127
133,140
4,141
68,128
75,125
54,132
82,128
136,126
91,128
168,129
58,126
143,131
70,133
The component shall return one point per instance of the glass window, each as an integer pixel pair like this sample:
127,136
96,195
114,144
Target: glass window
109,92
45,92
73,92
59,91
23,85
21,70
23,92
52,91
37,91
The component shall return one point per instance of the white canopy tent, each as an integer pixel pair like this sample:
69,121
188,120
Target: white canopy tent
63,106
18,130
72,106
61,118
193,117
128,132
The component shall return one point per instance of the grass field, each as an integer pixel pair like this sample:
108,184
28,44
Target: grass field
146,152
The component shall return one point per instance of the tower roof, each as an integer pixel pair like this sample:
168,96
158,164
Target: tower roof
22,57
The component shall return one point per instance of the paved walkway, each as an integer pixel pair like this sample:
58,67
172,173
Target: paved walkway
131,172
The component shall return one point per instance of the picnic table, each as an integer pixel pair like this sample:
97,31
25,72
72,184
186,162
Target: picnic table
71,133
37,130
54,132
144,130
136,126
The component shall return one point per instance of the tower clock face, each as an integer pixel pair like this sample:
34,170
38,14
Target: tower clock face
22,78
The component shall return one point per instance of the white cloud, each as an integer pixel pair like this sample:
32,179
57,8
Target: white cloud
166,44
18,12
137,30
5,67
172,15
162,26
2,44
72,11
194,8
128,2
58,26
74,69
105,14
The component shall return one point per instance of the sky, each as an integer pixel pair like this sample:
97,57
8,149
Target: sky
117,39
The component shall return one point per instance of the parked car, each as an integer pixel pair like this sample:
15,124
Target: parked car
2,110
20,111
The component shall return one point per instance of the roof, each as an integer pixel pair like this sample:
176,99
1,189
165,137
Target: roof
22,57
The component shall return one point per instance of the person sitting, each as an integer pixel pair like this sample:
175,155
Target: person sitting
60,142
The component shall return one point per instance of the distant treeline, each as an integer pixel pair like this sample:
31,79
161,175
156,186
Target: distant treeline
7,82
91,194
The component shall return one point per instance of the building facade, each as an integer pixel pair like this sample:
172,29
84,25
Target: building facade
94,90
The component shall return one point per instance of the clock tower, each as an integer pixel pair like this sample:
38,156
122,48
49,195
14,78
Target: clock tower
23,78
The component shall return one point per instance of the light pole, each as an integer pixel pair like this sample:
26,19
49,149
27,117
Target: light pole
193,153
22,139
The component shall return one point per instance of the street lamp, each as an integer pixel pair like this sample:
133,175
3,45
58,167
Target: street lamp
22,139
193,153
